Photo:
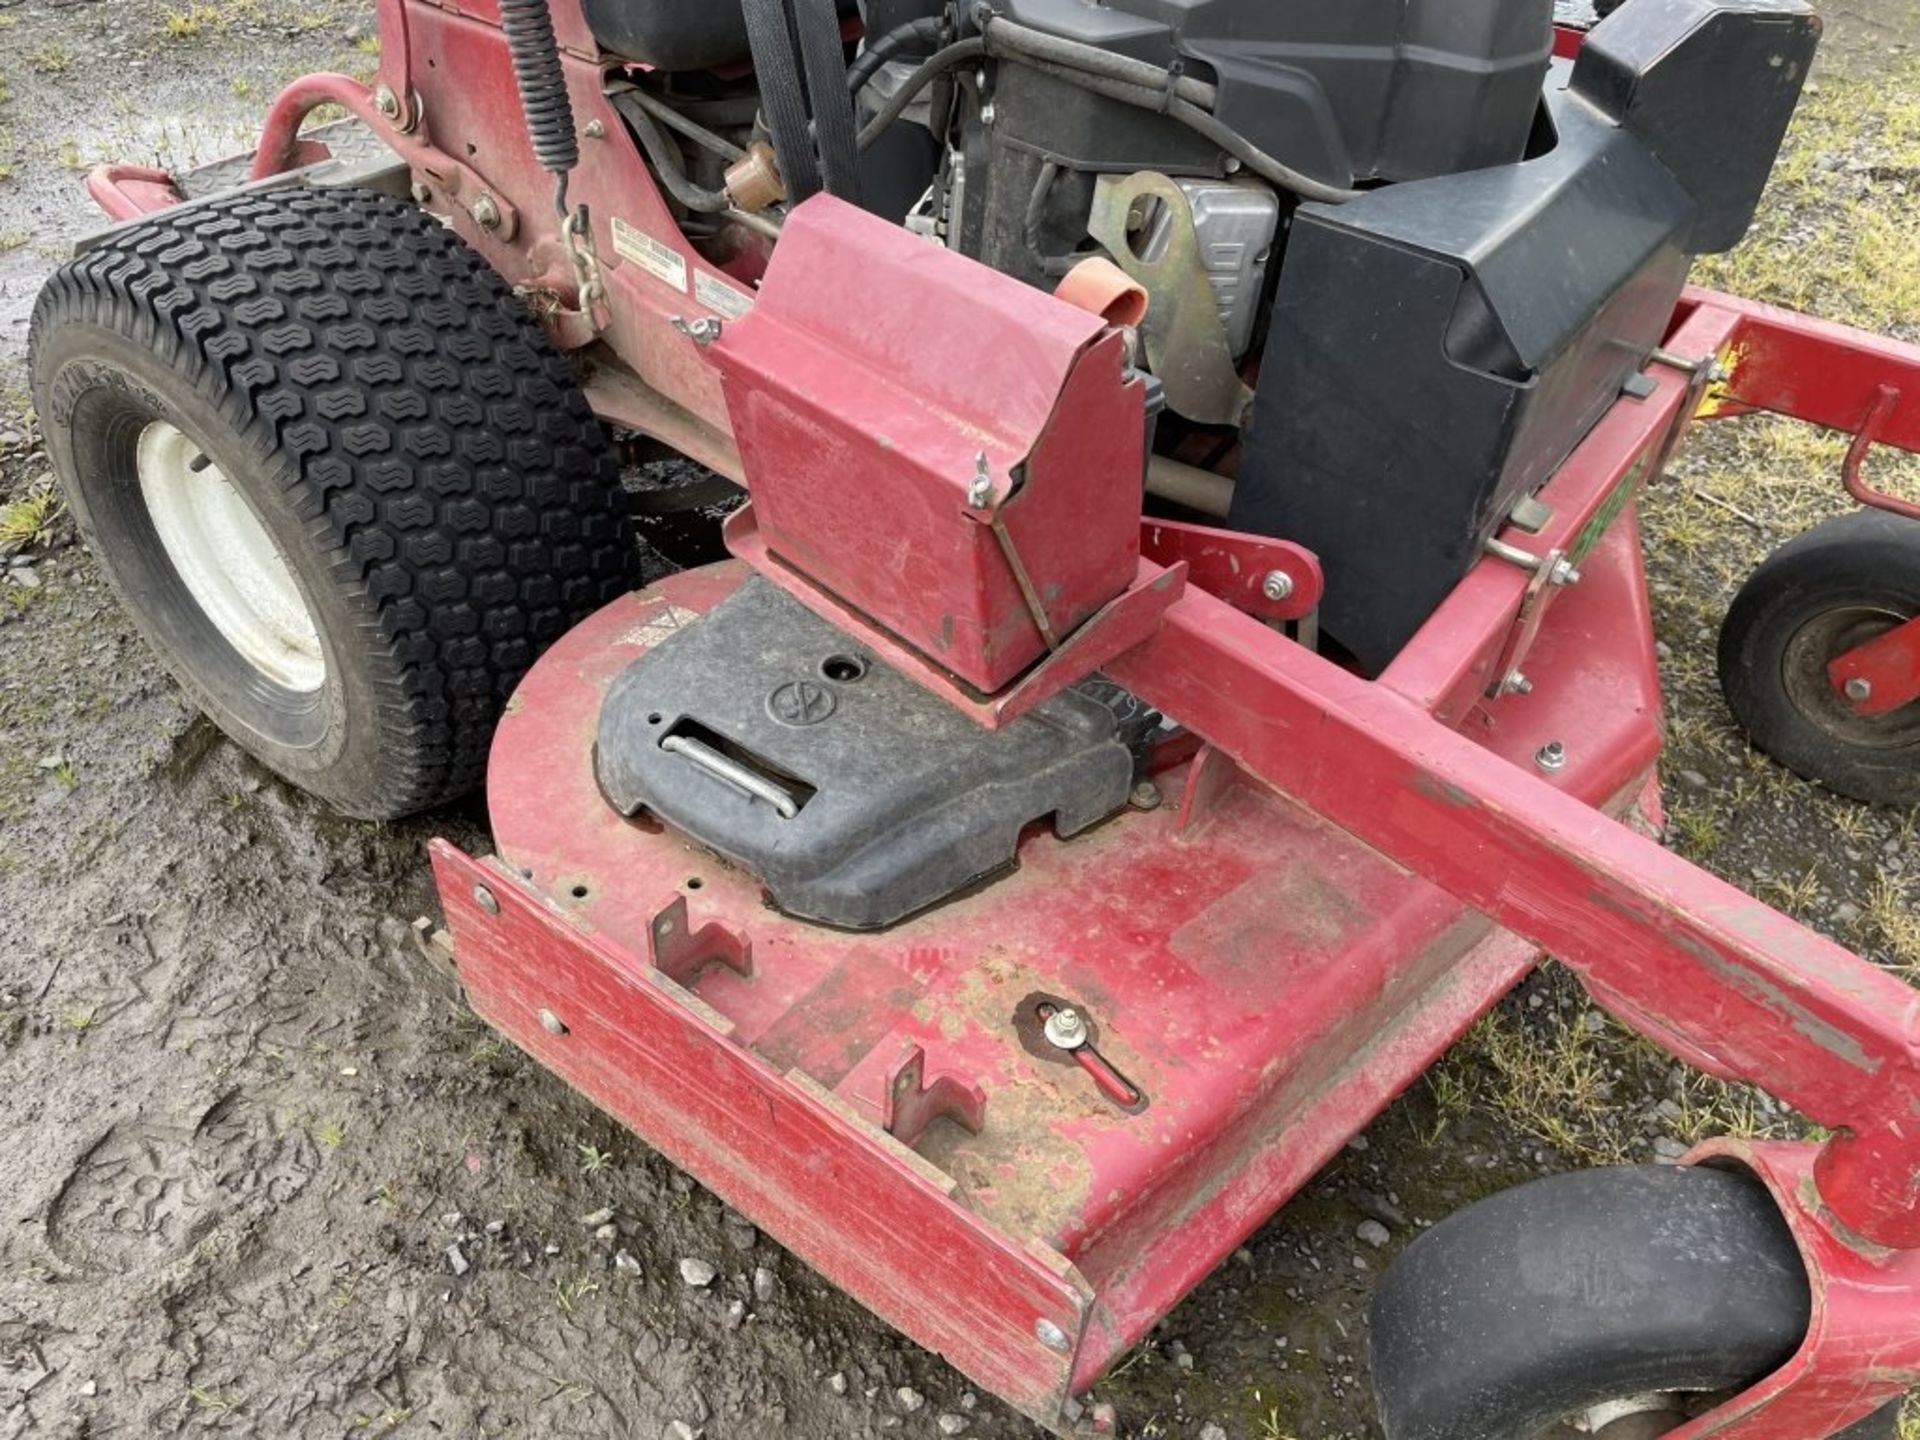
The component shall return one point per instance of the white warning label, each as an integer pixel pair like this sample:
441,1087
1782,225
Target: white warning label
720,297
658,259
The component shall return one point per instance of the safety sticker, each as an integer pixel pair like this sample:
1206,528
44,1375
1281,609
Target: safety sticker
720,297
649,254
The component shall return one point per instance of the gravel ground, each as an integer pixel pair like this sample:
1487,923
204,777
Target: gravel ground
266,1175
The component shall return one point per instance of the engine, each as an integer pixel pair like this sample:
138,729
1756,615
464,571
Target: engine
1399,259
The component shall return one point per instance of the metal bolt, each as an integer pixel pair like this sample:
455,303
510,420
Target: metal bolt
1518,684
1066,1030
1278,585
980,491
386,102
1050,1334
483,897
552,1023
702,332
1564,573
486,214
1146,796
1552,757
596,130
987,114
1859,690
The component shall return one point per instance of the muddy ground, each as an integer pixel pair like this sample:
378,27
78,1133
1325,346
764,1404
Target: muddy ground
261,1173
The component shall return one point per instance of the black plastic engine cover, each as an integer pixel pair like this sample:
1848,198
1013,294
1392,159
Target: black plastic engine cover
899,800
675,34
1438,348
1346,91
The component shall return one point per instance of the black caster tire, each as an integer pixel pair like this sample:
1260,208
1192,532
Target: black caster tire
1834,588
336,473
1541,1305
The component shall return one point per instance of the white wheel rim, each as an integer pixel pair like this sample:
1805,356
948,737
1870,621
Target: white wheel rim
227,561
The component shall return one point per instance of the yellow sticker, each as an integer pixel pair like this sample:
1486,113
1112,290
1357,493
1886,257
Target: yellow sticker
659,260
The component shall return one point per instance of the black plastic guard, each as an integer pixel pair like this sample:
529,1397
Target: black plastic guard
1439,348
898,800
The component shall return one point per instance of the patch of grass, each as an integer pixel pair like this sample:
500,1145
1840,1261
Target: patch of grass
68,155
593,1159
1840,226
194,21
206,1398
6,90
567,1294
368,44
1910,1418
330,1133
52,58
28,521
1576,1081
81,1021
1896,920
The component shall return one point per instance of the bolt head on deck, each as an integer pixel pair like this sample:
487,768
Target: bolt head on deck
484,898
1551,757
386,102
1066,1029
486,213
1050,1334
1859,690
1277,586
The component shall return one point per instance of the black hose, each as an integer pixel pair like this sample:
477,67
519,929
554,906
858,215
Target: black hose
1198,120
1005,38
543,89
783,98
925,32
930,70
824,57
666,163
692,129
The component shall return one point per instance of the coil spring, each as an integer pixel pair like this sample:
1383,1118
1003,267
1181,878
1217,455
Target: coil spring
543,85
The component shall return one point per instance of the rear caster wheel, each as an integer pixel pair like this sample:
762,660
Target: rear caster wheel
1609,1303
1831,590
336,473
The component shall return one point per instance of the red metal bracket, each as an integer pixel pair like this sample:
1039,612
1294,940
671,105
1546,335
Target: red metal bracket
281,146
1888,667
1240,569
1862,1351
1118,626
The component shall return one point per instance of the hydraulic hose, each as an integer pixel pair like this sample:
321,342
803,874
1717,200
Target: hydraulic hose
923,32
666,164
930,70
1007,39
543,90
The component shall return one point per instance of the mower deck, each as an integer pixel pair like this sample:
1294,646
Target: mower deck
884,1104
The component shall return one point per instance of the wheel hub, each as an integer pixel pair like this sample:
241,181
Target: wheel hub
227,561
1810,686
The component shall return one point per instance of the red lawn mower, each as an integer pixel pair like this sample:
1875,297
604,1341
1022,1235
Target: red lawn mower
1184,656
